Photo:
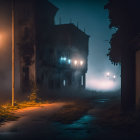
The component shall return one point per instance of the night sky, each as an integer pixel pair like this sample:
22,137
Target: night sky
92,16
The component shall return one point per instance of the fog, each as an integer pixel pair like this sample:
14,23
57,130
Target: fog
88,15
91,17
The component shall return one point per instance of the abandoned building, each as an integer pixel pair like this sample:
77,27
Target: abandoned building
50,56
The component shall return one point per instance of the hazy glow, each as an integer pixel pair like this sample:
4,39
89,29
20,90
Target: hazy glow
69,61
75,62
97,26
114,76
64,83
3,40
103,84
0,37
63,59
108,74
81,63
78,62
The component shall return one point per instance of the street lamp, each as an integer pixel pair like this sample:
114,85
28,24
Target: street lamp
108,74
75,62
13,54
114,76
81,63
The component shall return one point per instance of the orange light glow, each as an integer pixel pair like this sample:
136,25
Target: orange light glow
2,39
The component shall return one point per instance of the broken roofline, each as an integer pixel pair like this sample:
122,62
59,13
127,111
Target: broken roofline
72,26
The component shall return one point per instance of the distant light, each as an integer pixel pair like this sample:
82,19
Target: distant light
108,74
114,76
81,63
75,62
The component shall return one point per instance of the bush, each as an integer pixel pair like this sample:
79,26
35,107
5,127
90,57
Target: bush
33,97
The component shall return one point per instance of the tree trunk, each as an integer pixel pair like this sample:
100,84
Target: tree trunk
128,81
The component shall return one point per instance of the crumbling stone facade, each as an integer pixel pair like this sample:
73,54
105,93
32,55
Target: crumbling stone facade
50,56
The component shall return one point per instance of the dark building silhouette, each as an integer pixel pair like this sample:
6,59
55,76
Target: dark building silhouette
51,56
136,74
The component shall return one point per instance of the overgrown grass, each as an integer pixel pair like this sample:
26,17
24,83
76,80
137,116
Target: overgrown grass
6,115
7,111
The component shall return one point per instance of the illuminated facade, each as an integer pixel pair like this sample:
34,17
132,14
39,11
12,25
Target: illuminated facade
51,56
65,58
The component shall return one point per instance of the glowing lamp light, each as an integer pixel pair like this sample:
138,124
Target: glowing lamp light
108,74
75,62
114,76
81,63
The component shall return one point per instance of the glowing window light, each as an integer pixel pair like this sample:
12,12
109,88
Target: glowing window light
75,62
64,58
82,80
69,61
64,83
81,63
61,58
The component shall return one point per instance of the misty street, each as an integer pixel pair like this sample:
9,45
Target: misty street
38,122
55,121
69,69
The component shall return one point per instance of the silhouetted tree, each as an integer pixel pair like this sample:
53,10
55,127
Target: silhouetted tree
124,15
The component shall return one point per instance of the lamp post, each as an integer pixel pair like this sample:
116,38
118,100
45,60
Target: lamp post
13,54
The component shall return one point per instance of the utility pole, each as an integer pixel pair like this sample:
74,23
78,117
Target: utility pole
13,53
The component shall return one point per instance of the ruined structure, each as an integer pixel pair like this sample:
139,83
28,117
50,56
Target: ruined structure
51,56
65,58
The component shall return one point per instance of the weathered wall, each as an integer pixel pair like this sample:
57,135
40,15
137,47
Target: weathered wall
25,41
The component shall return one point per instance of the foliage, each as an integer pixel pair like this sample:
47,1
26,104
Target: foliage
123,15
33,97
6,115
